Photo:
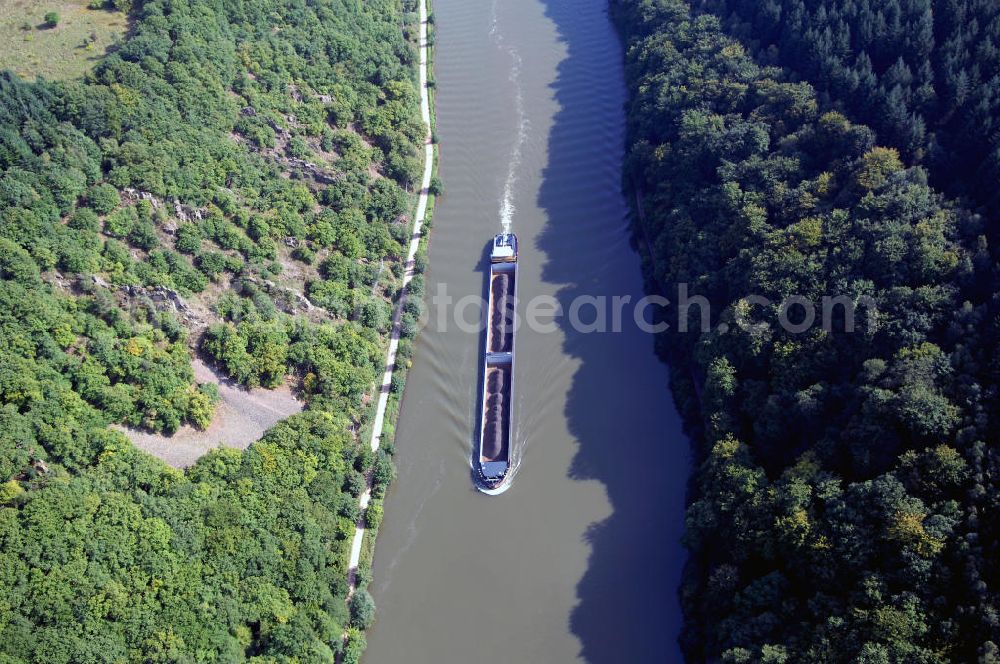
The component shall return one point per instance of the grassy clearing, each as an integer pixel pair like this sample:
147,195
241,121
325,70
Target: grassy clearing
68,50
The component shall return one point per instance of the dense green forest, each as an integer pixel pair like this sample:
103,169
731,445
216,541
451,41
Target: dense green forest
924,74
844,502
233,179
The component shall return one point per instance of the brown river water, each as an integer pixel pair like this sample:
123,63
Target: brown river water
580,559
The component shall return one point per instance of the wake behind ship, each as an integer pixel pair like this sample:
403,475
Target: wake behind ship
496,400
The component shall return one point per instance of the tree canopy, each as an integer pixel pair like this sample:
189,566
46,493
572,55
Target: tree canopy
173,202
842,507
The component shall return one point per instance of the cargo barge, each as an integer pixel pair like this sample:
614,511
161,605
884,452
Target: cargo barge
496,400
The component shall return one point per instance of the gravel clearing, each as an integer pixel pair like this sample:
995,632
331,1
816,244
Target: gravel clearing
241,417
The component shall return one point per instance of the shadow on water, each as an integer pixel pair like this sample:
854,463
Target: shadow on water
619,407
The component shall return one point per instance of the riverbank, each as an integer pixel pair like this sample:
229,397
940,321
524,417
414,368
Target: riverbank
382,424
535,575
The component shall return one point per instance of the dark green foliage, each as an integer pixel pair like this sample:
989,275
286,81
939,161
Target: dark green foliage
84,219
922,73
188,238
397,383
383,473
211,263
843,503
376,315
355,483
436,187
362,609
103,198
337,363
304,254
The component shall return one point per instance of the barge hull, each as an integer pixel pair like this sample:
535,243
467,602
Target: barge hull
496,399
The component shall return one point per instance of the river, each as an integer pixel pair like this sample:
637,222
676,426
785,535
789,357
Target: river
581,558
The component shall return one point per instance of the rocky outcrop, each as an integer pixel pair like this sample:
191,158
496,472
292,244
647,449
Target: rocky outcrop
162,298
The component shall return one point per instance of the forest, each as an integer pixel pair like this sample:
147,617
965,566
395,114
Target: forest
843,506
233,180
922,74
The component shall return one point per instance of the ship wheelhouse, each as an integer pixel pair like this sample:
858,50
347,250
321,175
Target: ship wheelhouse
504,248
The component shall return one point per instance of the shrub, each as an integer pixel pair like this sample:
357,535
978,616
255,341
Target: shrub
376,315
355,483
409,326
436,187
188,238
228,236
356,645
413,307
144,236
373,516
120,223
420,261
383,473
234,264
364,574
51,19
297,147
362,609
84,219
103,198
304,254
201,405
9,491
211,263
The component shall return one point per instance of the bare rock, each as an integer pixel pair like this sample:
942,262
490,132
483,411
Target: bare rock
163,298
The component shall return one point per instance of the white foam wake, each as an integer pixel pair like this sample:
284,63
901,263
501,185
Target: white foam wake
507,199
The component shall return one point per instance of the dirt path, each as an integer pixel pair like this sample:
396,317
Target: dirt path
390,359
241,418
